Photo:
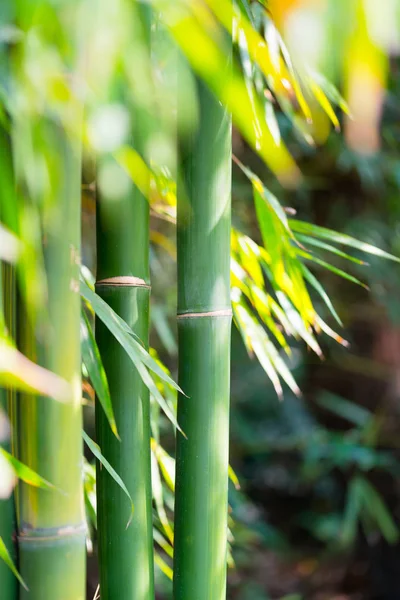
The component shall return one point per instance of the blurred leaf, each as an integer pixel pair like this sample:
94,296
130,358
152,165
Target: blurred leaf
163,543
10,246
352,412
374,504
17,371
158,497
234,478
162,565
5,556
25,473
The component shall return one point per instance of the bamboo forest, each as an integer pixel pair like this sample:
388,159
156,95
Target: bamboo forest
199,300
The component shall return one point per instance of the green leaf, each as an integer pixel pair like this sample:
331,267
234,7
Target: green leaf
378,510
96,451
136,352
163,543
5,556
331,268
352,412
316,242
338,238
234,478
161,564
26,474
157,490
20,373
351,513
94,365
331,92
313,281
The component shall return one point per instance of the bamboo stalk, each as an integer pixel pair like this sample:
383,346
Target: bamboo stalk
8,582
204,326
52,529
123,281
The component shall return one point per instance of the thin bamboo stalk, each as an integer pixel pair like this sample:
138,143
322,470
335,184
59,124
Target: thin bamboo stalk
204,326
123,281
52,529
8,582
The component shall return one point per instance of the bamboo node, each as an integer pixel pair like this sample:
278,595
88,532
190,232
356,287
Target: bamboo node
28,534
211,313
123,281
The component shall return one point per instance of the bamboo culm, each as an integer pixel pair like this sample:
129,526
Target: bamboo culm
123,281
52,528
204,327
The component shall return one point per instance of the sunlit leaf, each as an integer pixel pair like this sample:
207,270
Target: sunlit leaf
25,473
338,238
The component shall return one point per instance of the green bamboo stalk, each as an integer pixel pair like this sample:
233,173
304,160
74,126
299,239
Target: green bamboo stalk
8,582
123,281
204,326
52,529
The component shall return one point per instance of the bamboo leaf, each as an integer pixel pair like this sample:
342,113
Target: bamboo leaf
234,478
10,246
331,92
325,104
5,556
331,268
26,474
166,569
137,353
166,462
338,238
17,371
329,331
163,543
158,497
313,281
94,365
329,248
96,451
373,502
351,513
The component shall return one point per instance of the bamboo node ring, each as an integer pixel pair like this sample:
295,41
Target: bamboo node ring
123,281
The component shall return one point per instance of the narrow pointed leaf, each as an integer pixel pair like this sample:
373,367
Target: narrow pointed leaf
313,281
137,353
96,451
5,556
94,365
339,238
306,239
25,473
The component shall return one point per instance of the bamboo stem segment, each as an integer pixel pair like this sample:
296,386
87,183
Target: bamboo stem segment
52,529
204,328
123,280
8,582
